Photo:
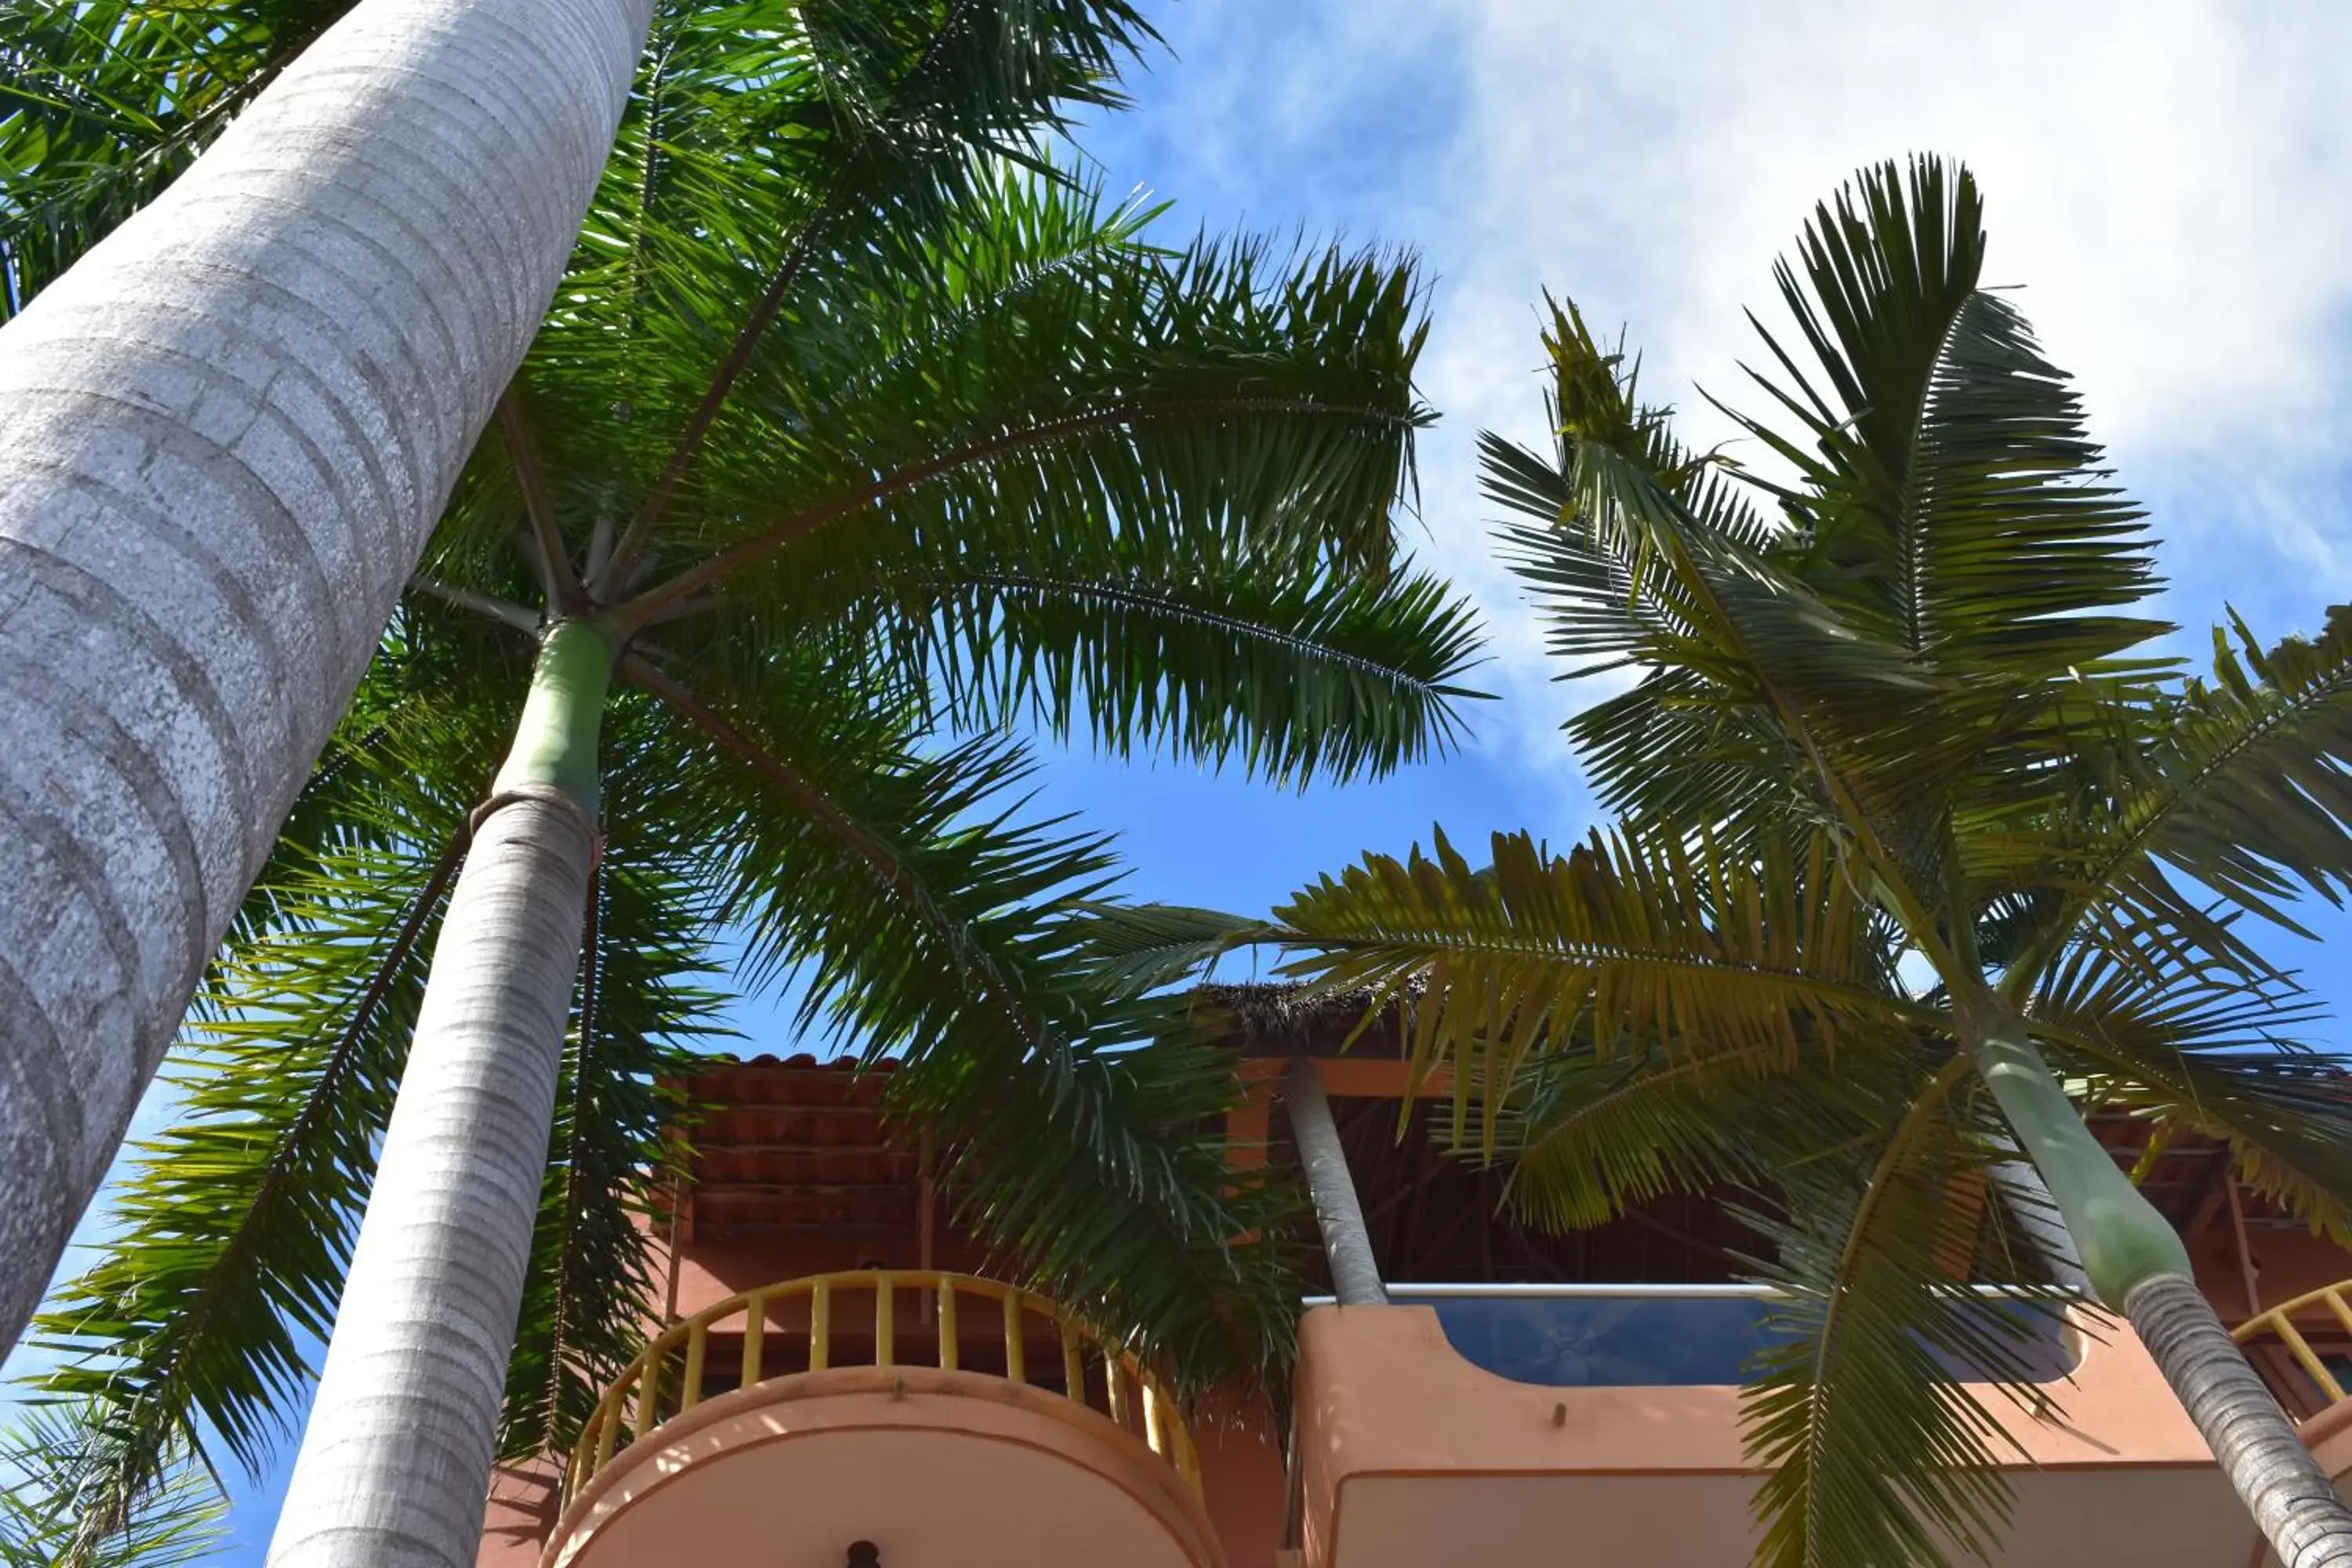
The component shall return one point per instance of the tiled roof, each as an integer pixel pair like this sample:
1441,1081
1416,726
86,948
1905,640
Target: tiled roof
797,1145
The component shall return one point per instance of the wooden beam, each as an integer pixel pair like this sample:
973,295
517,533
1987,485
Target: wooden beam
2209,1207
2245,1254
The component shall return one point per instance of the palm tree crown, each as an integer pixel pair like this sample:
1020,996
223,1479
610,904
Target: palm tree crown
1918,839
864,435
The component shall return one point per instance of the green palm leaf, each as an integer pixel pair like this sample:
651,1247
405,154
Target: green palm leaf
2238,784
1878,1453
1950,490
44,1455
2201,1050
103,103
1071,1109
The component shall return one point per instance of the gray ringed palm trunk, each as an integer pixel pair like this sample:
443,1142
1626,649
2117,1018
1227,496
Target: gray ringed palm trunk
2136,1261
2291,1496
395,1459
225,436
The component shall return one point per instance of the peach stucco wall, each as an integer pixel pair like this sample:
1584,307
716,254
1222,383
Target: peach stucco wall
1241,1477
519,1514
1409,1451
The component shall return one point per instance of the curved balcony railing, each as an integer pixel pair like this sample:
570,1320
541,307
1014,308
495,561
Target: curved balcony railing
2278,1325
675,1371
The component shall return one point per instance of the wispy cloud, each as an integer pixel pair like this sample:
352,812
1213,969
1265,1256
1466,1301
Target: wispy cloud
2167,180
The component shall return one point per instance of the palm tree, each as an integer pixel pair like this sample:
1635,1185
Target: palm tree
1907,727
224,435
834,449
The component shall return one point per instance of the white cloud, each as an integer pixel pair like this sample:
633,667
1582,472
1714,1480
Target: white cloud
2171,182
2168,180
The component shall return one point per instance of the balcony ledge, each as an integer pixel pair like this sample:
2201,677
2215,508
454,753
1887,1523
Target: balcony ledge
933,1466
1413,1455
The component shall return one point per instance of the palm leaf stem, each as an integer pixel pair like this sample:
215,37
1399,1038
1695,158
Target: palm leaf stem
554,560
646,606
505,611
1788,982
762,315
1117,596
680,462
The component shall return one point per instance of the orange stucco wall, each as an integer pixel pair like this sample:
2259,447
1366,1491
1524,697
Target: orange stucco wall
519,1514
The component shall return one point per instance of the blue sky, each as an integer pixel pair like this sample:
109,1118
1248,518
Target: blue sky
2166,180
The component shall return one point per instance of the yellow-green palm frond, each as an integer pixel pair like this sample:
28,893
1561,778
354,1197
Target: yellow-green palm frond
2206,1051
1629,937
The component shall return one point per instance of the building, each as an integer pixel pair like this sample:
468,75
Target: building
833,1378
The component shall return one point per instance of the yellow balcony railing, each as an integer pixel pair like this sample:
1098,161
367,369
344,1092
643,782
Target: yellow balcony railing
675,1371
2278,1323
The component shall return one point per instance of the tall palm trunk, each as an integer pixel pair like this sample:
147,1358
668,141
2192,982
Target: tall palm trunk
2136,1262
396,1458
223,438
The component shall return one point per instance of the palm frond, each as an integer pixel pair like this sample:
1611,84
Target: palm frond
1630,937
1951,492
1297,679
2203,1050
1202,408
1867,1402
924,917
49,1452
821,130
2237,783
1646,555
103,103
1588,1137
1137,949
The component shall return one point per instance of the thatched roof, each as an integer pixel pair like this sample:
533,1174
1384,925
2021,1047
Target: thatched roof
1266,1019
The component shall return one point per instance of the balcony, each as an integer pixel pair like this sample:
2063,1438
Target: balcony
2303,1348
1599,1425
941,1417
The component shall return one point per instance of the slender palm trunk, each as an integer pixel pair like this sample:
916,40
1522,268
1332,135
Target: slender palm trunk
396,1459
223,438
1347,1241
2135,1261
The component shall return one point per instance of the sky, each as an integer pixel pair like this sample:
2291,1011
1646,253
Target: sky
2166,183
